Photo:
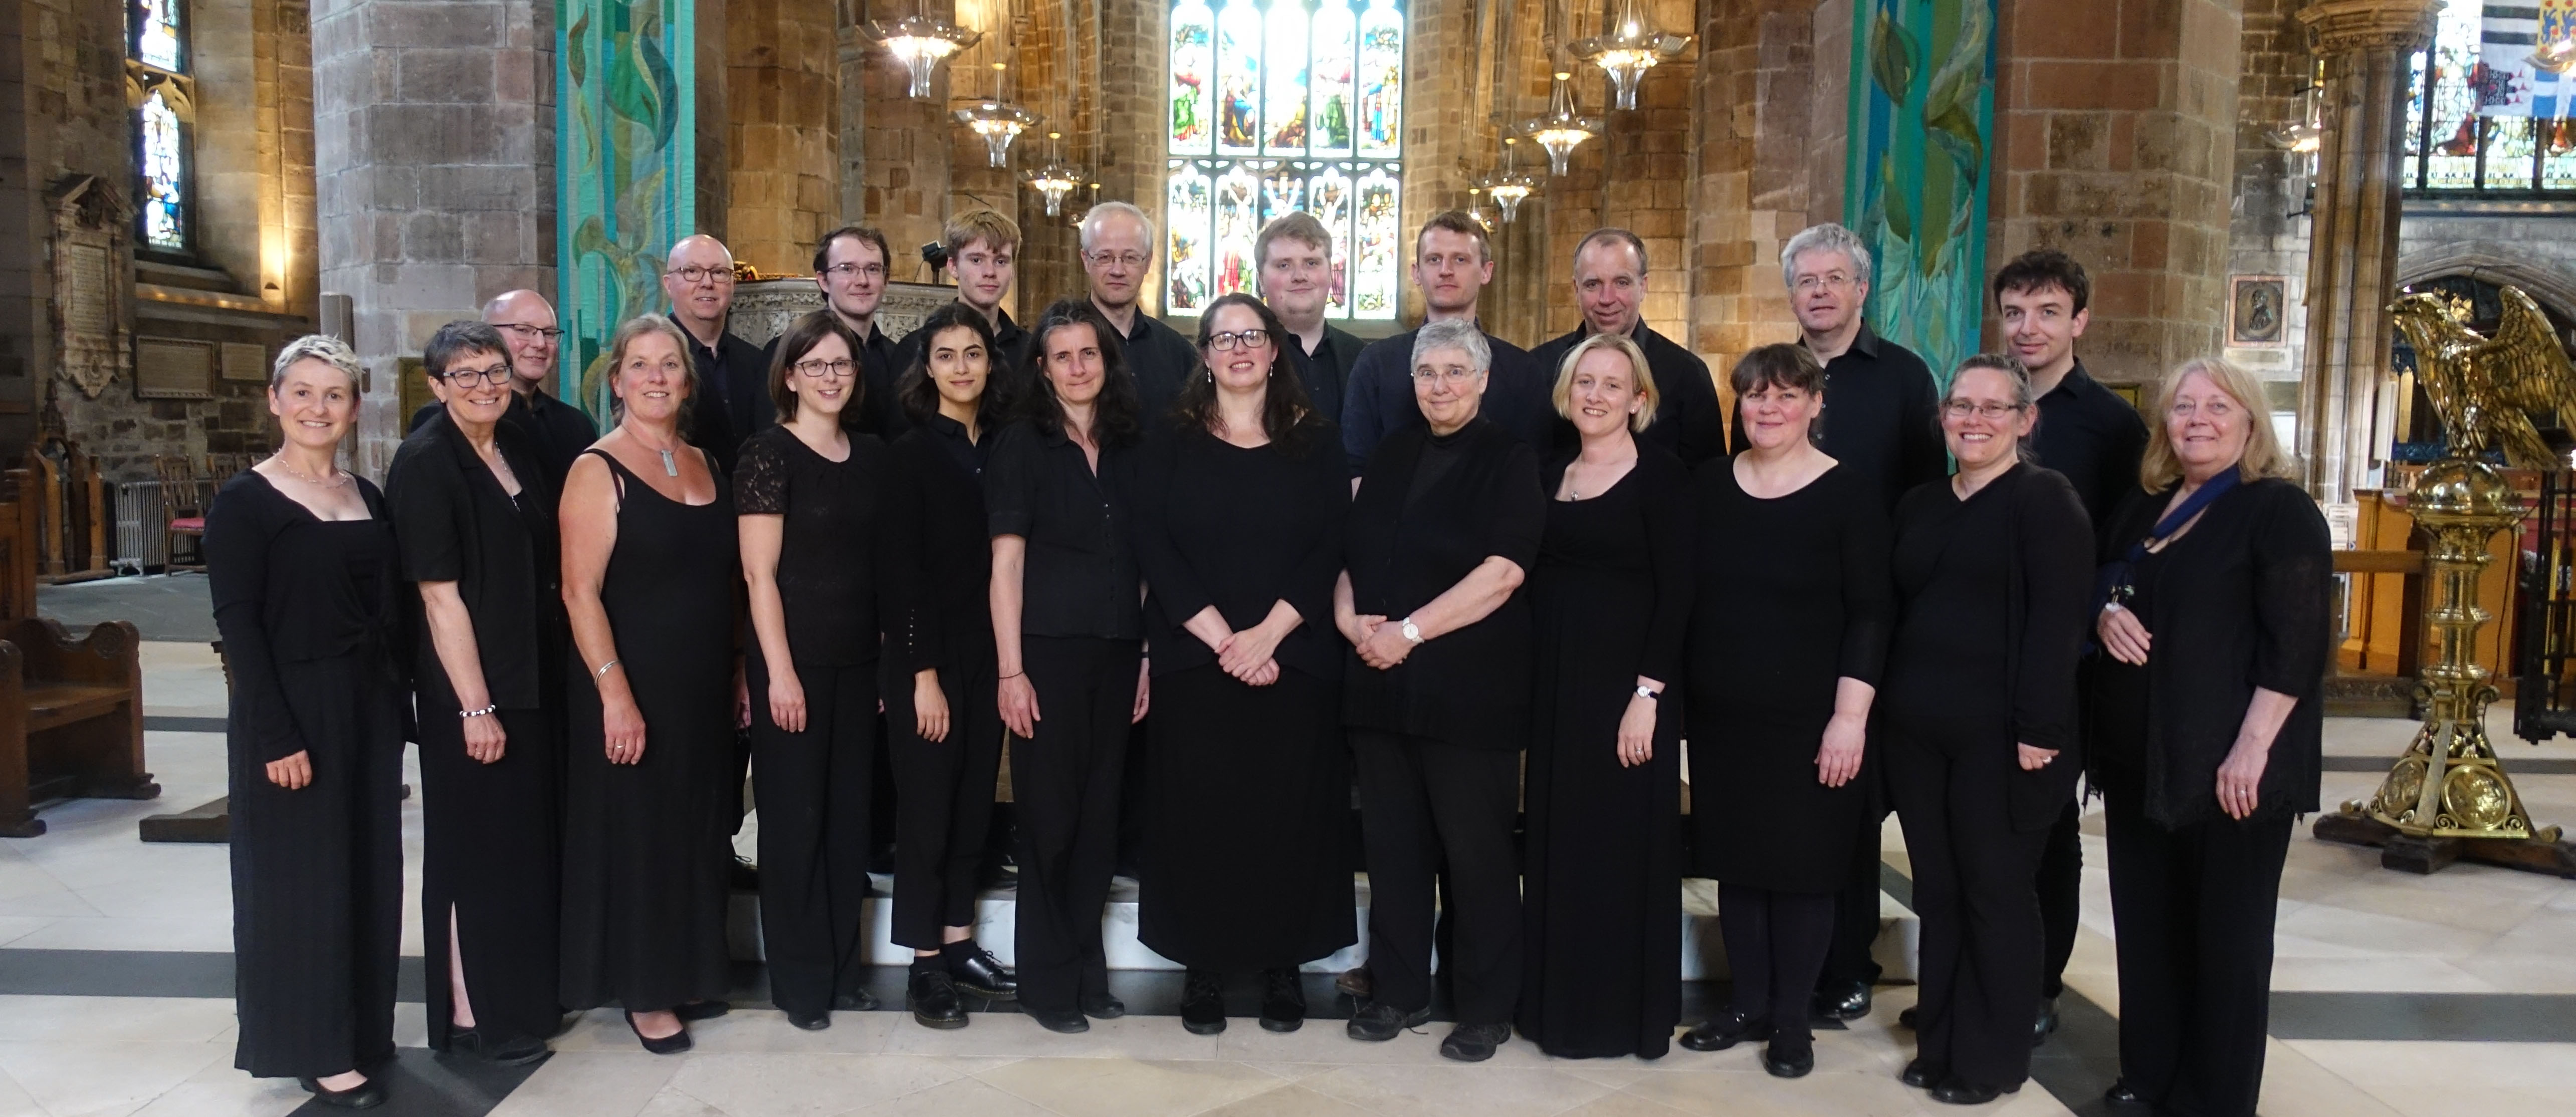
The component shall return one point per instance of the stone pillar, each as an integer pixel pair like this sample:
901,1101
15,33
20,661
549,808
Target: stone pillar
1755,101
906,145
254,147
1128,64
782,91
2352,257
2266,237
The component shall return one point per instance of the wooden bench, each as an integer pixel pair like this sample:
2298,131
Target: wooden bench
71,709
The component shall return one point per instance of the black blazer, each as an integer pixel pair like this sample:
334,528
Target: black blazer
455,524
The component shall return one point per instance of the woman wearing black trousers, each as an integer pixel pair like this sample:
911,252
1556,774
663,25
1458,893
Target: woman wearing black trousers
476,520
945,731
1068,635
1787,637
2206,735
1992,570
1443,530
301,560
1239,508
810,496
1601,891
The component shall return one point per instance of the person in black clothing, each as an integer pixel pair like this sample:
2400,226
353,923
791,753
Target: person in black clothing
1452,263
1992,570
850,265
1295,255
1879,422
305,577
1239,506
1610,286
651,577
1067,632
1117,250
732,397
556,431
1445,527
2095,439
476,522
983,246
1611,597
945,727
2206,735
1787,637
810,496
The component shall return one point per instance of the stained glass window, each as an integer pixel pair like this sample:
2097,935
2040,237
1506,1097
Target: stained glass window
2491,100
164,175
157,38
1278,106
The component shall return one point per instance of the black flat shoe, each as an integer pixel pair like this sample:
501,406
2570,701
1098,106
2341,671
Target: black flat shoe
702,1010
2046,1023
365,1095
1725,1030
1919,1076
1067,1021
508,1051
814,1023
1474,1043
2125,1096
1841,1000
856,1000
1102,1006
671,1044
1202,1002
932,997
985,976
1283,1000
1906,1019
1379,1022
1955,1092
1789,1063
1355,982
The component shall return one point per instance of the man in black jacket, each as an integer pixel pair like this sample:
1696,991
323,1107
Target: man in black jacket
1610,287
732,401
983,246
1296,260
560,431
850,266
1117,250
1452,263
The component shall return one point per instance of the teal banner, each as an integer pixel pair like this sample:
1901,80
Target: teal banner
1917,167
625,170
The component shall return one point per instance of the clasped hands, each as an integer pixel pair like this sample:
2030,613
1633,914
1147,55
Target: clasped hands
1380,641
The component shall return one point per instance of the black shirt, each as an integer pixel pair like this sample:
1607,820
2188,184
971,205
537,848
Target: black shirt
732,401
1007,380
1325,372
1688,419
557,431
879,365
2093,437
1470,687
1378,401
456,524
1080,576
1242,529
939,549
1882,416
1161,360
828,554
291,588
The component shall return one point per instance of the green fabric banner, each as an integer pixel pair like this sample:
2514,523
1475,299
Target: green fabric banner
1917,165
625,170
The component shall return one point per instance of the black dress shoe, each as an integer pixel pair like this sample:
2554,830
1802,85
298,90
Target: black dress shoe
1955,1092
741,875
1474,1043
2046,1023
1380,1021
1919,1076
2126,1096
1906,1019
671,1044
1283,1000
856,1000
814,1023
1355,982
1725,1030
702,1010
365,1095
984,975
1789,1062
1847,1000
1102,1006
1202,1002
932,997
1067,1021
508,1051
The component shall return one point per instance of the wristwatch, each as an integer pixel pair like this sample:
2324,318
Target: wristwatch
1412,634
1649,694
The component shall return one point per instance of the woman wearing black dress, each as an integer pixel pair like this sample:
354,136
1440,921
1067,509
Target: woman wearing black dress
1788,631
648,541
945,729
1239,509
1068,636
2206,734
810,496
301,560
476,521
1992,570
1445,526
1601,890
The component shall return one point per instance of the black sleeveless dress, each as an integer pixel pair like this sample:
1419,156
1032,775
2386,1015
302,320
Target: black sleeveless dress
644,871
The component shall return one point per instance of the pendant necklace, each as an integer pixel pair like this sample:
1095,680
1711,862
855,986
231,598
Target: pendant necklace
670,465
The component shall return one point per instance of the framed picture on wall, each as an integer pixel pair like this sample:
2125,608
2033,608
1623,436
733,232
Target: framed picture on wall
2258,312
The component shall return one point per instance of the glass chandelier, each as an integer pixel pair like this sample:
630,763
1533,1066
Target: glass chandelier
1561,130
921,43
1629,50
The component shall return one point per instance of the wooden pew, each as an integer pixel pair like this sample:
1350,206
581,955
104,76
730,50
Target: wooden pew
71,709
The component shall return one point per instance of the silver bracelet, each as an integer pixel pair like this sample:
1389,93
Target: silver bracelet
602,673
482,713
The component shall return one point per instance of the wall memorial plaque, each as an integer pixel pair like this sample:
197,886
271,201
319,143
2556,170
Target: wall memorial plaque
173,368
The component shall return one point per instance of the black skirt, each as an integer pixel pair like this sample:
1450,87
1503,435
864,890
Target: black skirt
491,852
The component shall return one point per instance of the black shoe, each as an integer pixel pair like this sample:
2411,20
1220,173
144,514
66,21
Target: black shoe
1725,1030
742,875
2123,1095
932,997
1067,1021
1283,1000
1919,1076
1789,1062
508,1051
1845,1000
702,1010
1379,1021
984,975
365,1095
671,1044
1906,1019
2046,1023
1203,1002
1955,1092
1354,982
1102,1006
1474,1043
815,1023
856,1000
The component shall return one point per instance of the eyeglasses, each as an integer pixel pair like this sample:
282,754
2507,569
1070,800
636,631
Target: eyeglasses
817,370
539,333
474,377
695,274
1256,338
1831,281
1961,409
1132,261
845,271
1443,375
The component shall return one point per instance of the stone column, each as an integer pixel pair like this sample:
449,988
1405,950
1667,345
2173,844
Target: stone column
782,91
904,143
1755,101
2352,256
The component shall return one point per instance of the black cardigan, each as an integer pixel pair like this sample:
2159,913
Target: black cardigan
279,599
939,552
455,524
2242,600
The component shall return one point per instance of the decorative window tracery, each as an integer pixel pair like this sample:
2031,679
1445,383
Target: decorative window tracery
2492,105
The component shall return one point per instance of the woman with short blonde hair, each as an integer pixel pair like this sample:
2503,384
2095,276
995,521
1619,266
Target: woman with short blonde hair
1648,396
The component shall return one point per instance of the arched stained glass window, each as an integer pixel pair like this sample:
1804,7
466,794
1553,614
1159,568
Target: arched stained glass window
2493,104
1277,106
157,41
165,196
159,38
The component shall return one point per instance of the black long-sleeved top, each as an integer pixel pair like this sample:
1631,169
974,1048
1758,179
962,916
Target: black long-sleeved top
1378,400
939,549
1430,510
285,594
1241,529
456,524
1793,595
1993,600
831,544
557,431
1881,418
1689,420
1326,372
1080,576
732,401
1161,360
1008,380
2092,437
2242,600
877,413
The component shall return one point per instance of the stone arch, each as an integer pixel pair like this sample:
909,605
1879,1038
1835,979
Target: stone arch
2554,285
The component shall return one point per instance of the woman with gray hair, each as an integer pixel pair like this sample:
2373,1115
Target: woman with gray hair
1444,529
300,557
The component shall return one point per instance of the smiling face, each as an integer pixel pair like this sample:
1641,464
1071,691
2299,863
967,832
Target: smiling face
1777,415
316,404
957,365
1609,284
1116,260
652,380
476,388
2041,325
700,303
1602,394
1826,291
1245,367
524,317
2208,427
1451,270
984,274
1448,388
1981,420
1296,278
825,377
854,277
1074,365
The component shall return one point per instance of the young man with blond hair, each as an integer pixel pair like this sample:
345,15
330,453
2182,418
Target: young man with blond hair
1295,256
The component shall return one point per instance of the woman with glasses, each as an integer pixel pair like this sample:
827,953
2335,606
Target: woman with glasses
810,495
476,519
1239,508
1993,567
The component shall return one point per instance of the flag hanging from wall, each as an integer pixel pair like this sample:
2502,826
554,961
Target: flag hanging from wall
2526,52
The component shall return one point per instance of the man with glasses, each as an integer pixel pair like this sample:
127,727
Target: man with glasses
1117,249
559,431
1610,289
982,249
850,267
732,400
1452,263
1295,255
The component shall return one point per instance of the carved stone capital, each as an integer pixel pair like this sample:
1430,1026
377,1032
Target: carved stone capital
2364,26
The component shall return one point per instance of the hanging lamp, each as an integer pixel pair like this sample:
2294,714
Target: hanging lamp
1509,186
1056,179
1627,51
997,120
921,43
1561,130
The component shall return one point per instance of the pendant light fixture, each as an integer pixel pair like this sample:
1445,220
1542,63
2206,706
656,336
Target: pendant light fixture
997,120
1627,51
1562,129
921,43
1508,187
